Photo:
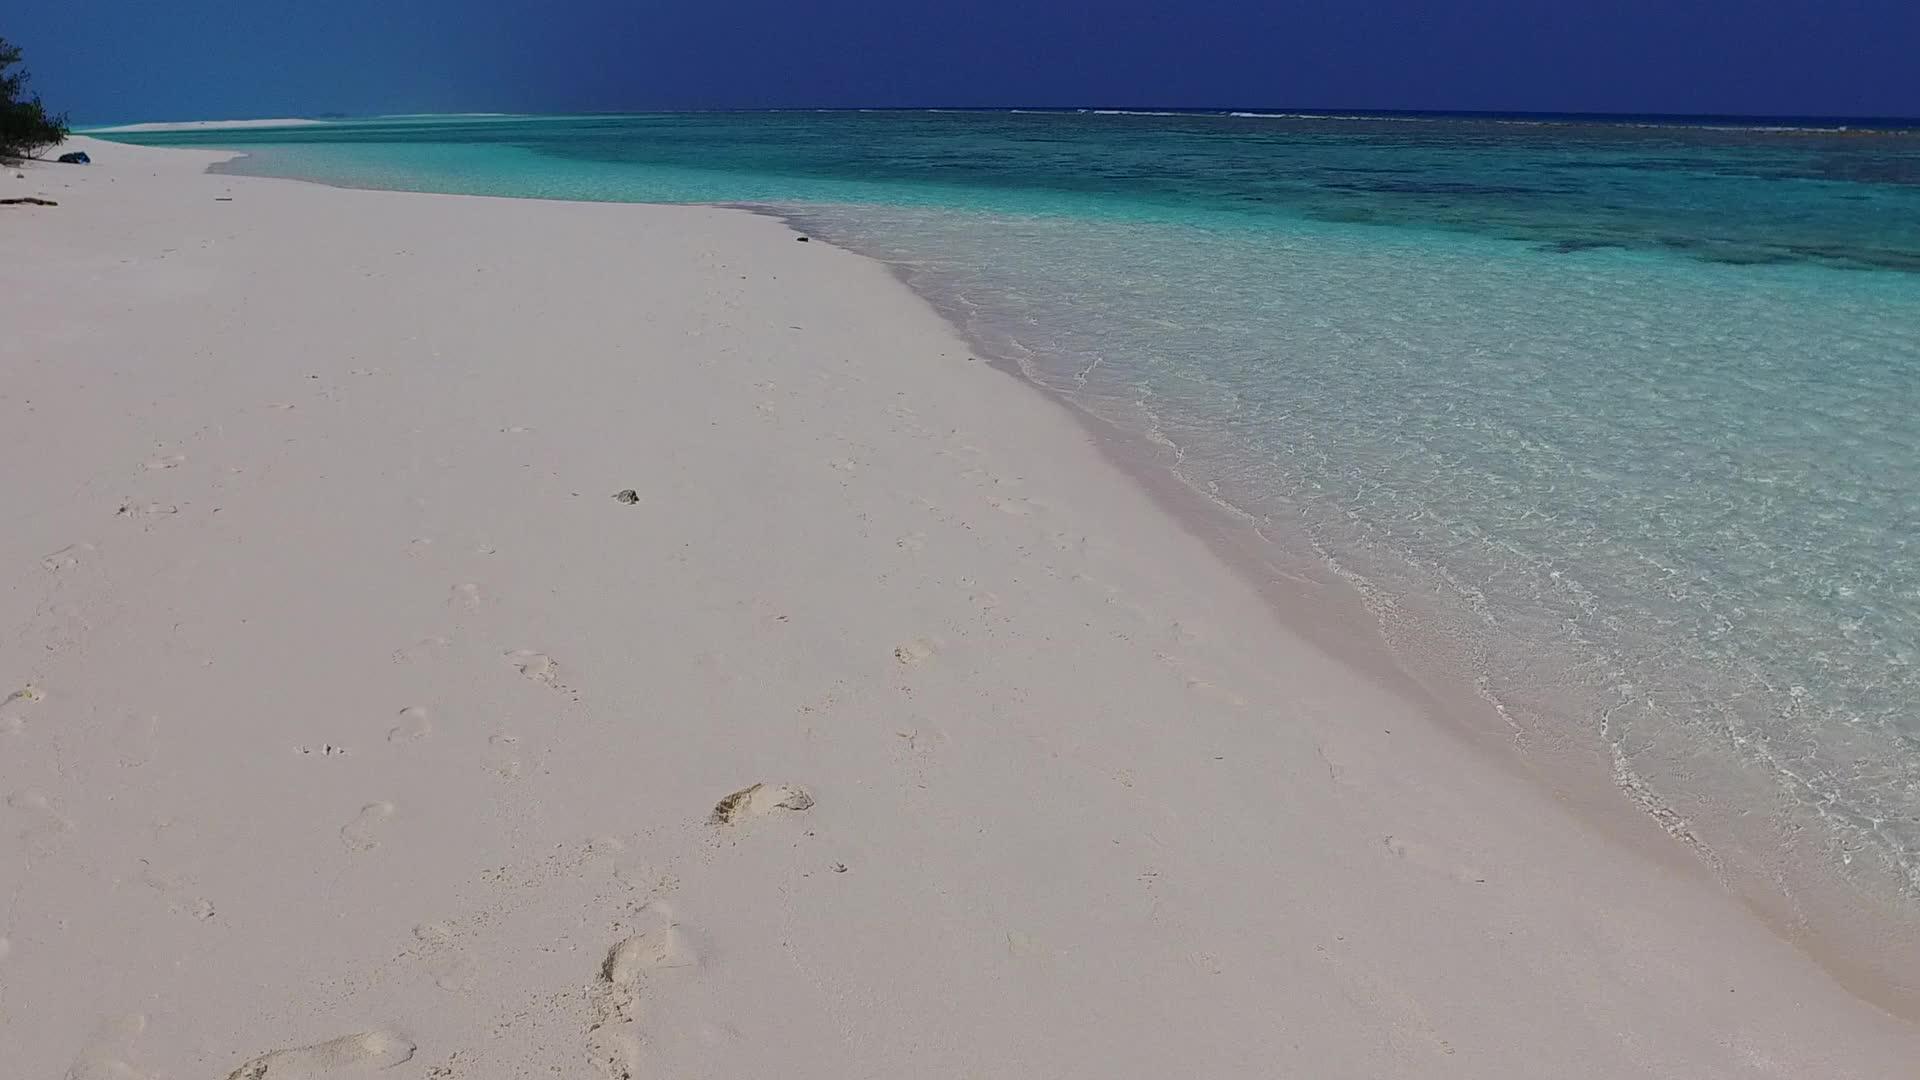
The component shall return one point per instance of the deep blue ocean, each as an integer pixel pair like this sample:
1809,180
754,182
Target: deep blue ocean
1620,418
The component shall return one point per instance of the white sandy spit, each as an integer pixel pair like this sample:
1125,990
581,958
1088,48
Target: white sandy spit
353,726
200,125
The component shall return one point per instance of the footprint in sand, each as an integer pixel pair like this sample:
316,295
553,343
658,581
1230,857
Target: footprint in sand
917,748
913,652
105,1057
1202,686
416,723
362,834
608,855
465,595
349,1055
655,948
174,890
503,756
1432,859
41,826
13,708
421,649
441,955
758,801
1194,683
66,558
134,739
656,944
614,1049
537,666
170,461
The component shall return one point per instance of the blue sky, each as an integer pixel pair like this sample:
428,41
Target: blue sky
121,60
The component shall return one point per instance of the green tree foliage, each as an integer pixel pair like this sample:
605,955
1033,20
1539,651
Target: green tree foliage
26,129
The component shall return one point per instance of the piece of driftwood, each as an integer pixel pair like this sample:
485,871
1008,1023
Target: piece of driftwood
28,200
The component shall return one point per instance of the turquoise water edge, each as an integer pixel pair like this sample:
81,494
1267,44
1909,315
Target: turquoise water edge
1625,414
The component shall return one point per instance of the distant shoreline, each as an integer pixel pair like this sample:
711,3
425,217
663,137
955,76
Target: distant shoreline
1887,125
203,125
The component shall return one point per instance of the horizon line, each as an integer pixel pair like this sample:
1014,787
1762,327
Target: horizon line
1826,121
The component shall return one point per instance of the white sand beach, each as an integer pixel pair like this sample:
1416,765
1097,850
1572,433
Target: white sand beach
208,125
353,726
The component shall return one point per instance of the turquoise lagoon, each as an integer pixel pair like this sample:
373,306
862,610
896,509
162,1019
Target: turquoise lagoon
1622,418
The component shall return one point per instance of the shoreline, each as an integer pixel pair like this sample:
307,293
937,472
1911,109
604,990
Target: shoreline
1841,923
1861,932
1277,851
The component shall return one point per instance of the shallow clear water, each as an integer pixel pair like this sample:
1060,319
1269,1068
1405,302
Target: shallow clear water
1626,415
